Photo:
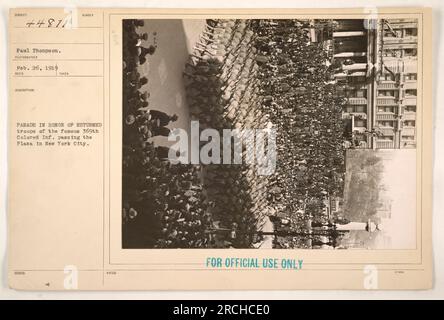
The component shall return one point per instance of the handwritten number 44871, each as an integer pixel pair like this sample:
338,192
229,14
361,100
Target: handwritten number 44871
48,23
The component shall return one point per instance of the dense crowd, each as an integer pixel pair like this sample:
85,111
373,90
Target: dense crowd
296,83
242,74
163,204
267,73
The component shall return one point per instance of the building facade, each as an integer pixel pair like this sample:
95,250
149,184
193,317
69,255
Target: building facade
396,83
375,64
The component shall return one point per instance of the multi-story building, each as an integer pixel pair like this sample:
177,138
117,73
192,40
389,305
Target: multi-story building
375,63
396,84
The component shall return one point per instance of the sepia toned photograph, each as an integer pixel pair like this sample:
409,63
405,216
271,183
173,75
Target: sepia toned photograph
283,134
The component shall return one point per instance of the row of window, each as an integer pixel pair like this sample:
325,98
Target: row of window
400,52
399,33
356,108
391,123
395,93
391,138
393,109
362,93
360,108
384,123
391,77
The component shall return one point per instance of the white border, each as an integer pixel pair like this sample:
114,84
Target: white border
438,201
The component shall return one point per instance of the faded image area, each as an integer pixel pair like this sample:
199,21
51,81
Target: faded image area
381,186
332,103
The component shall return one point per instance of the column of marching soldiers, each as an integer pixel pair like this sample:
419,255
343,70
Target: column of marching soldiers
222,88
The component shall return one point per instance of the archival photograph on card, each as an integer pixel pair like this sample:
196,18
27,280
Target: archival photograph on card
269,133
